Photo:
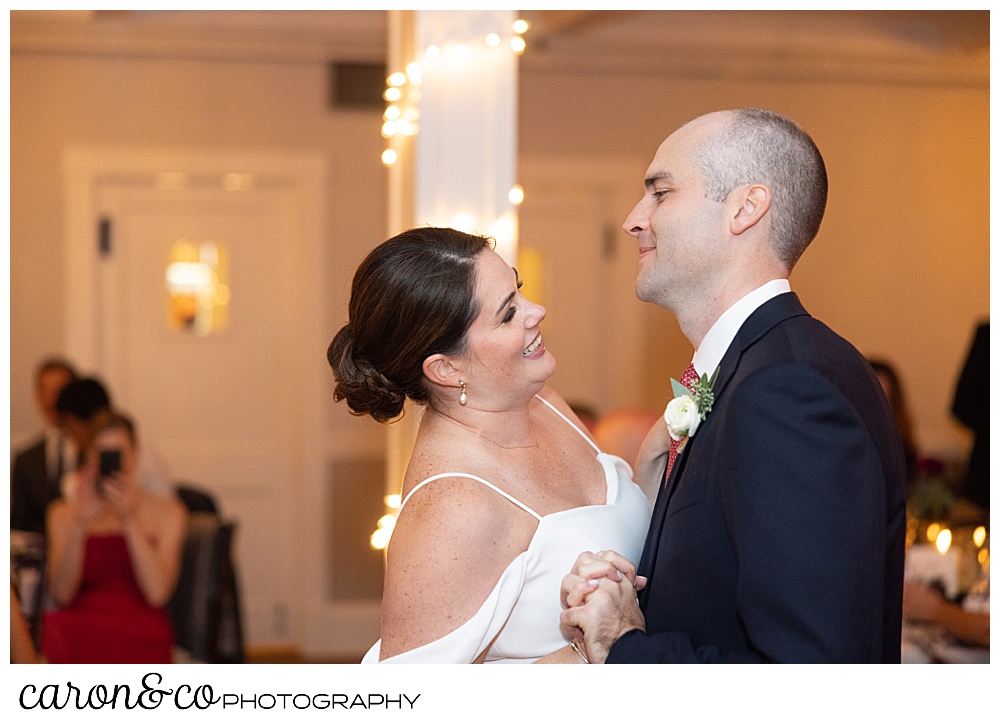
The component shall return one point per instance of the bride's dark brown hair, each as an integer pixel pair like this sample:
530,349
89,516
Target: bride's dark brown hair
412,296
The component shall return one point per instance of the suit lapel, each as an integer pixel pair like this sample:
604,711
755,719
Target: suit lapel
763,319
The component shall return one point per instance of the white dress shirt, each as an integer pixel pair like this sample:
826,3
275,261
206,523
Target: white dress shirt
57,442
711,350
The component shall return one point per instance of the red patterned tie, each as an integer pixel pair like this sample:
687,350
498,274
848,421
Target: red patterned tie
688,379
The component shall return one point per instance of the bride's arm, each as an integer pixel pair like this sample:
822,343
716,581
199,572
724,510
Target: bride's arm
565,655
452,542
652,460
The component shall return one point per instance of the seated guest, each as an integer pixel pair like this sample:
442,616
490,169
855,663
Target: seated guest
114,557
621,433
37,470
22,649
972,408
893,389
78,403
923,603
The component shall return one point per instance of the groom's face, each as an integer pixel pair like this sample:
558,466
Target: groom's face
677,227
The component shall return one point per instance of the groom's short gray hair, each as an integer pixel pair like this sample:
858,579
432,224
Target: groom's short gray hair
761,146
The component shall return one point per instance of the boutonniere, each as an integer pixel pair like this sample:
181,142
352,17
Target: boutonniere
690,406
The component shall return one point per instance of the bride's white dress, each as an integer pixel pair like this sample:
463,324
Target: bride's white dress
523,607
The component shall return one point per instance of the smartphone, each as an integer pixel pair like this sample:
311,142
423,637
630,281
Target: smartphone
111,462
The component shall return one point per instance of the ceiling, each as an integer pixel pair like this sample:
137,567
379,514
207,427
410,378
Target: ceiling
924,47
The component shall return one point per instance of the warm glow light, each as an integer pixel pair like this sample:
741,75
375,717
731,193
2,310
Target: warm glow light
192,278
389,129
236,182
521,26
411,114
380,538
979,536
516,194
984,556
391,113
493,40
209,254
414,72
517,45
462,51
388,157
415,94
397,79
943,541
932,532
464,222
393,501
432,51
407,128
392,94
222,295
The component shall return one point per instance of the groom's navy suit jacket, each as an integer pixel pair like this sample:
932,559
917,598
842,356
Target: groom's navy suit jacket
779,535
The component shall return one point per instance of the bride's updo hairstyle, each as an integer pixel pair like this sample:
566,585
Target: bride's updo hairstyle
412,296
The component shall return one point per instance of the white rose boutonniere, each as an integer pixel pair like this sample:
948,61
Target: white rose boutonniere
690,406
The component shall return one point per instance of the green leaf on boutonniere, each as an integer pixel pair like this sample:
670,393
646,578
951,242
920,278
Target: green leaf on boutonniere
678,389
704,397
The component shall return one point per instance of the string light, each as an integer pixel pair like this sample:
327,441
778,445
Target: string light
405,84
414,72
516,194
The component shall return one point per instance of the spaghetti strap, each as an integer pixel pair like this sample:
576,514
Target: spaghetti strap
488,484
570,423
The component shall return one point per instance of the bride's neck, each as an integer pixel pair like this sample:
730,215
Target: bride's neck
508,429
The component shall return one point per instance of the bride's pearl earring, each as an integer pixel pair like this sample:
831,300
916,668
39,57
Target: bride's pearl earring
463,398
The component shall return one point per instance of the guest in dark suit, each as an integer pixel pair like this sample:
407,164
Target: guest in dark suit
36,470
779,532
972,408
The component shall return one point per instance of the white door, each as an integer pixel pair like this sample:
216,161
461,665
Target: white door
213,406
239,411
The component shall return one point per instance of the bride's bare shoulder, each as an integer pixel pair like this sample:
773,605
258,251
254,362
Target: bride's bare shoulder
452,541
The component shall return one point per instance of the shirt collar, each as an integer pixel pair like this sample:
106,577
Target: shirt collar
709,353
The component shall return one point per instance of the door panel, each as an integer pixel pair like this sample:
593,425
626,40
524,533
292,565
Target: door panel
214,407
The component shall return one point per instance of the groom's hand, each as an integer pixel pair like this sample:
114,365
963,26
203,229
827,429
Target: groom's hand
589,569
609,612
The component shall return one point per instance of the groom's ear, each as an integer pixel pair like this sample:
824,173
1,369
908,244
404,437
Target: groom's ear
441,370
750,204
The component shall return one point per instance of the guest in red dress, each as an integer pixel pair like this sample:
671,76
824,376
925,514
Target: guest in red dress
114,557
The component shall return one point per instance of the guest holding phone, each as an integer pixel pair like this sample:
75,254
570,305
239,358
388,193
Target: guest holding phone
114,557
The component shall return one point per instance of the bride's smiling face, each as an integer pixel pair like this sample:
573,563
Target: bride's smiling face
505,356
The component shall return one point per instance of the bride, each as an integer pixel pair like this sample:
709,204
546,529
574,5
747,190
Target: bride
504,488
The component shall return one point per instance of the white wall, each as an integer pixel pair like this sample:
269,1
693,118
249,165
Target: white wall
901,264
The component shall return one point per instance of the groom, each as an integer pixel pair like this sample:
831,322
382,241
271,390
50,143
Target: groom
778,532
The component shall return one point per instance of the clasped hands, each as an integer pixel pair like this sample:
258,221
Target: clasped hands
599,602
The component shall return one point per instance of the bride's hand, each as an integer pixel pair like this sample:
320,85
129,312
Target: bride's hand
589,568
